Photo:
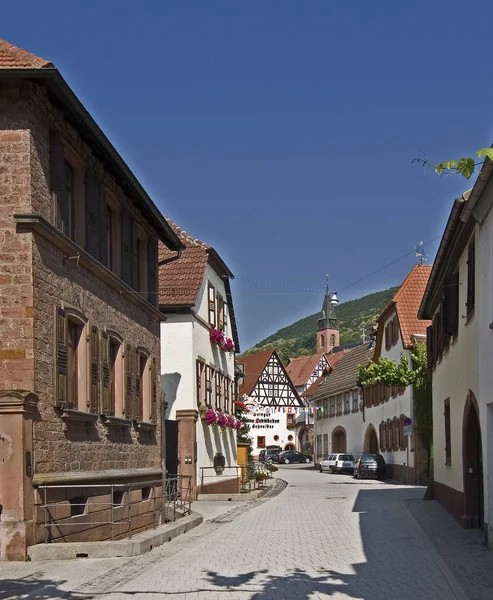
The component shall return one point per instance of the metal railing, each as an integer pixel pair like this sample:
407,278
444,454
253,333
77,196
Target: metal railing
121,521
248,477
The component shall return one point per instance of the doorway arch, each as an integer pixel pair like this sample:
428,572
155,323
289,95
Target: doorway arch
304,440
472,461
289,447
371,440
339,439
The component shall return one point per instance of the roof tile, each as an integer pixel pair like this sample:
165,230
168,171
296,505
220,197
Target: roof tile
12,57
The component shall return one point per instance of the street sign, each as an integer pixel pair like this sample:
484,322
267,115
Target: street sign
407,430
407,421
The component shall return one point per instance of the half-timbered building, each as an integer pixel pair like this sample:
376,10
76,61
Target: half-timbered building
272,400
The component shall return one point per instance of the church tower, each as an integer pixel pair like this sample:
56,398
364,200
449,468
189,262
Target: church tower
328,329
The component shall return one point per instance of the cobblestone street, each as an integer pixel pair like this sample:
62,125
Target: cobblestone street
323,536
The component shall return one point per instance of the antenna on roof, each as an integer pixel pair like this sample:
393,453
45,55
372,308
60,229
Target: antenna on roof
420,253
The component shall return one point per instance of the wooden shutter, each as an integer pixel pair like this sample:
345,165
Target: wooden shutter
137,385
395,331
127,246
429,345
59,191
61,359
387,337
152,276
103,228
220,312
154,392
92,213
106,404
128,408
94,355
451,311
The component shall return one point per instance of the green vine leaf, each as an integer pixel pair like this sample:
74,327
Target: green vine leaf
465,167
485,152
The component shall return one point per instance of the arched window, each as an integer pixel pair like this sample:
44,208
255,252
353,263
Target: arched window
322,341
332,340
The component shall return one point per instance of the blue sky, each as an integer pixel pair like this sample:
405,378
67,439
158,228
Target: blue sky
282,132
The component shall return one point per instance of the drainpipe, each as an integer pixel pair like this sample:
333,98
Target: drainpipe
164,406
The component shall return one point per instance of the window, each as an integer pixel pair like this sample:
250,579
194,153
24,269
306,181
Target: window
332,406
220,312
109,237
339,404
347,397
226,389
319,446
212,305
70,191
390,435
141,265
322,341
332,340
448,449
471,278
260,441
318,409
397,433
326,407
201,386
209,373
114,351
451,304
290,421
326,444
74,331
144,388
219,382
355,400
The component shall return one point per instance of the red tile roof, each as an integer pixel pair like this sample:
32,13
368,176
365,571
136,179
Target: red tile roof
335,358
180,278
253,364
407,301
12,57
300,369
315,385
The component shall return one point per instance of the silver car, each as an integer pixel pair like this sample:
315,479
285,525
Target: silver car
338,463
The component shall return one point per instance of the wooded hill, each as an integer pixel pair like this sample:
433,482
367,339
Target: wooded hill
300,338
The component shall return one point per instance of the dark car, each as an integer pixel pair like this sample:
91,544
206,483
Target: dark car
370,465
261,456
271,455
292,456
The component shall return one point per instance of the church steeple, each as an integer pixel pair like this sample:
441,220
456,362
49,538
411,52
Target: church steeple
328,328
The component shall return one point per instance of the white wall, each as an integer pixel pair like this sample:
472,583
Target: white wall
453,377
185,338
394,407
352,423
271,429
485,398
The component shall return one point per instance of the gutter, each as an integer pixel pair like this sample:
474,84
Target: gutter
103,149
476,191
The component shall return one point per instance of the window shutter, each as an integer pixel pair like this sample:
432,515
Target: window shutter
128,383
94,354
103,227
106,407
137,385
61,359
387,337
451,325
127,247
429,345
395,331
58,190
212,305
154,394
152,278
92,213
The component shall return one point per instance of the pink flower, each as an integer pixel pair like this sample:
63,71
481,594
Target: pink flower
222,420
228,345
231,422
216,336
210,417
238,424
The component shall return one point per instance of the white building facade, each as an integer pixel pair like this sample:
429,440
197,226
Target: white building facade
272,400
198,341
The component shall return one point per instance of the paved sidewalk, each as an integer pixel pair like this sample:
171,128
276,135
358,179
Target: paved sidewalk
324,536
463,551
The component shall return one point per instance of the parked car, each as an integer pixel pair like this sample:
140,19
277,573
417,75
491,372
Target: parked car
261,456
370,465
338,463
292,456
271,455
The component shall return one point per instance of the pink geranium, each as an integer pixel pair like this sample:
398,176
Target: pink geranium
210,417
216,336
231,422
238,424
228,345
222,420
